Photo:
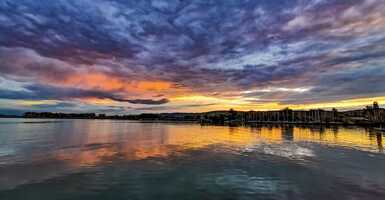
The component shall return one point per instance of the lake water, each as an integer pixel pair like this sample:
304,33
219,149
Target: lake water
92,159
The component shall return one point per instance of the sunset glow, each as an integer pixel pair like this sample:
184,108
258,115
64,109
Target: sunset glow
190,56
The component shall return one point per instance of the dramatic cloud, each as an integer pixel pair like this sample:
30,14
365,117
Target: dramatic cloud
236,53
147,101
39,92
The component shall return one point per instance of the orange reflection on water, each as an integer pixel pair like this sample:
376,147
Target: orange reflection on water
271,134
103,141
144,141
347,137
200,137
85,157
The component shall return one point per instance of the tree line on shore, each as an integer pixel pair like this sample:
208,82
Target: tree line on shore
369,115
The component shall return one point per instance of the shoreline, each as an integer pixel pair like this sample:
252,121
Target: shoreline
229,124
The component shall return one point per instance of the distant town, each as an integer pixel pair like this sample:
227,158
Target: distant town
370,115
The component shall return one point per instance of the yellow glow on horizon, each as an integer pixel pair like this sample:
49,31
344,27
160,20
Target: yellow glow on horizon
244,104
98,101
349,103
37,102
210,103
207,99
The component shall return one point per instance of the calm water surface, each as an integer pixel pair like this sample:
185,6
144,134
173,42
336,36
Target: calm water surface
89,159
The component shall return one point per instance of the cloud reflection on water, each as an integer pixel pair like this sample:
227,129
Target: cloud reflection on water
50,150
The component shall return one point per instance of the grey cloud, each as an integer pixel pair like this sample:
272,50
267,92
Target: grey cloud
40,92
146,101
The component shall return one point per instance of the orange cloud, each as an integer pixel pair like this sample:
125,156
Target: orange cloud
96,81
106,82
154,85
98,101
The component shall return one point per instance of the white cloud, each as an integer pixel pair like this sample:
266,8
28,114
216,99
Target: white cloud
299,22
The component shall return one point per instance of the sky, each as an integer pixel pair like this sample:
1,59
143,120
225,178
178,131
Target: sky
125,57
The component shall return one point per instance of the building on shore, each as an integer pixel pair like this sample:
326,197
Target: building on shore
291,116
370,115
